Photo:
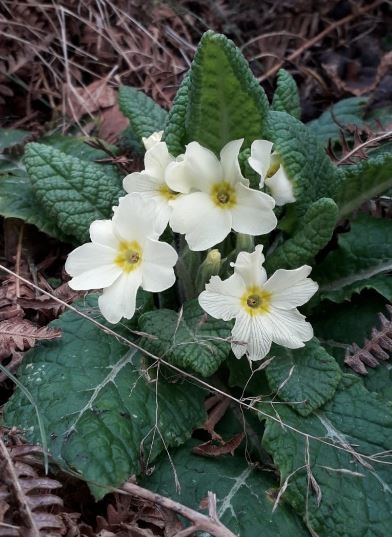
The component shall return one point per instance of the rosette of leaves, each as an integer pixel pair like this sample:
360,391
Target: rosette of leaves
108,410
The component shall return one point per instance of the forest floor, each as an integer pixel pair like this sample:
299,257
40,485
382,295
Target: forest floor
60,66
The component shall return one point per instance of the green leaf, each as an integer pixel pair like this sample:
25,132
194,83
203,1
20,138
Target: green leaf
10,137
356,491
189,339
305,378
304,161
339,325
362,254
145,115
17,200
346,112
76,146
175,130
363,181
102,406
312,234
226,102
243,492
286,96
74,192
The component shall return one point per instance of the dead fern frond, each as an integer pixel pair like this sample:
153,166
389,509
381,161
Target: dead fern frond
353,151
21,334
18,335
27,504
375,350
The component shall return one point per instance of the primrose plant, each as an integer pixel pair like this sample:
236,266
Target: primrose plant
199,263
204,198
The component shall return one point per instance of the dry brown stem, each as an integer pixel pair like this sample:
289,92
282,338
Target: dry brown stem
199,522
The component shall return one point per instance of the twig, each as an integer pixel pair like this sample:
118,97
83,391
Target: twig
358,148
199,521
294,55
184,373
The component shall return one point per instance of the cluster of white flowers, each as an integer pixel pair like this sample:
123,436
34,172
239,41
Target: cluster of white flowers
204,198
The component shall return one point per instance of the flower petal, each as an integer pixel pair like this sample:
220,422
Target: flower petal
134,219
96,278
288,327
249,267
87,257
222,298
151,140
119,300
253,212
101,232
159,259
229,162
260,158
198,170
203,223
291,288
92,267
281,187
142,182
156,160
250,335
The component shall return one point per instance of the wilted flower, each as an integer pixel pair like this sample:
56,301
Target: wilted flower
217,197
124,255
271,172
265,310
151,184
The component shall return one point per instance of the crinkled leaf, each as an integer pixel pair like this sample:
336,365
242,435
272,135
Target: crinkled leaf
363,181
305,378
77,146
189,339
102,408
362,254
17,200
242,491
346,112
175,130
313,232
226,102
304,161
74,192
145,115
333,486
286,96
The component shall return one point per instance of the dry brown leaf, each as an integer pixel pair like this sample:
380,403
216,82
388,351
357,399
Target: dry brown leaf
208,449
88,99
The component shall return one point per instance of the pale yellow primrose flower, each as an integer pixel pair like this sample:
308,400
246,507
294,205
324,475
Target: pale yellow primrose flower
151,140
265,310
271,172
124,255
217,198
151,184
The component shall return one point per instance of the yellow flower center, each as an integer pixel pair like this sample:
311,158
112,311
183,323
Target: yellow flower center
167,193
223,195
129,256
256,301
